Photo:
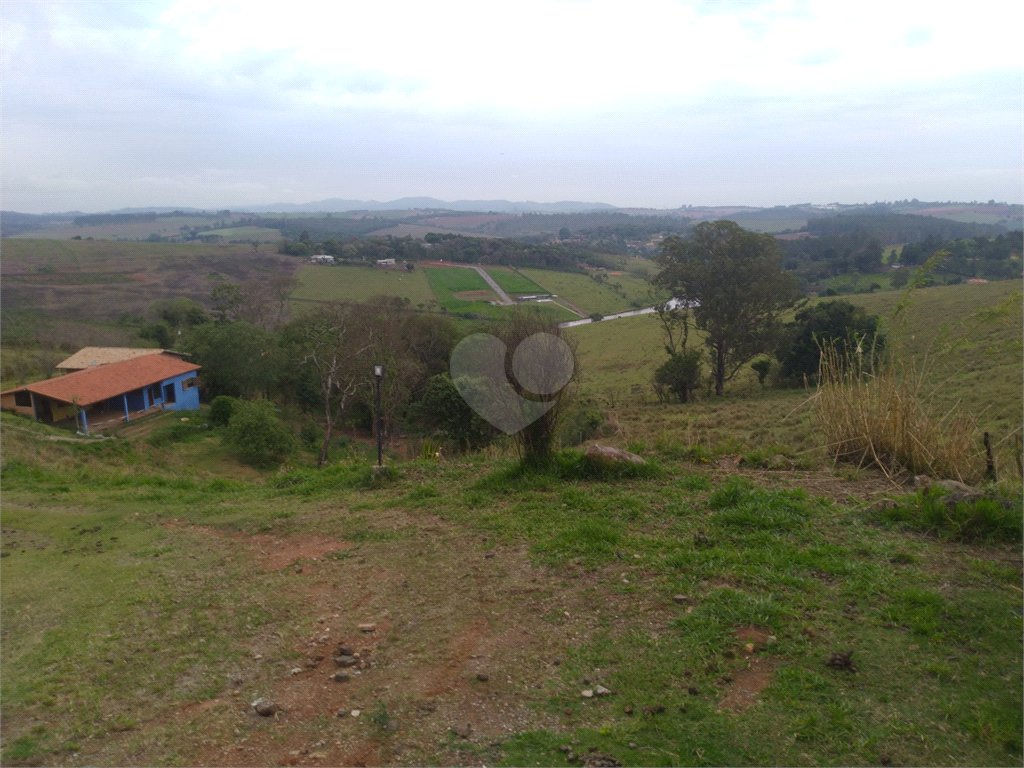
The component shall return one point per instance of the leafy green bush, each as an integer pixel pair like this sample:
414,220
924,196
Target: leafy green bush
581,422
257,434
311,435
221,409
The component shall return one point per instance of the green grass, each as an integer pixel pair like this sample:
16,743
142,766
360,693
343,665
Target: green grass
587,563
512,282
591,296
447,281
320,283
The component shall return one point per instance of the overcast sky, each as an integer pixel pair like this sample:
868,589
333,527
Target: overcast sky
641,103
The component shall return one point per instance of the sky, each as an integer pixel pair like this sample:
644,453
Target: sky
646,103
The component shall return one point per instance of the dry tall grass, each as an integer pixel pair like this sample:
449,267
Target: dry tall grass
880,414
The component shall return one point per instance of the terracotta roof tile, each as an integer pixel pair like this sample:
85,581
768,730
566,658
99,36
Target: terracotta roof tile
88,356
102,382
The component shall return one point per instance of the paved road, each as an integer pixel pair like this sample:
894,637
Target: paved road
506,300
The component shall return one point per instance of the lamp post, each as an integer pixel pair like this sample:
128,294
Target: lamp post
378,372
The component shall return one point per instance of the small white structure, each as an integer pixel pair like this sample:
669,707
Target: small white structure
385,262
321,259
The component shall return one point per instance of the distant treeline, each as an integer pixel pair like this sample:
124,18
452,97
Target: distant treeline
895,228
564,257
13,223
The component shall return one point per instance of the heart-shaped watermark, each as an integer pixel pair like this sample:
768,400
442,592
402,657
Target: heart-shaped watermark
542,364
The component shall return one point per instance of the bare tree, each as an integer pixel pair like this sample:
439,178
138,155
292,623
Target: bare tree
337,338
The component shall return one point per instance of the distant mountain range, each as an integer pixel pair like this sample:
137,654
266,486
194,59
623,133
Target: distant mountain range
338,205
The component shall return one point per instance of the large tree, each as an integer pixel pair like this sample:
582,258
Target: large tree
735,287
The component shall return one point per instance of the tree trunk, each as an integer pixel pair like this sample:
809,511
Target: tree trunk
322,458
328,426
720,370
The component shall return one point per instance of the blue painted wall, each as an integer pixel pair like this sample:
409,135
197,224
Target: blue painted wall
184,399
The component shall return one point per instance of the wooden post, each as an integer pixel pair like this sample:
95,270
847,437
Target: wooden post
990,464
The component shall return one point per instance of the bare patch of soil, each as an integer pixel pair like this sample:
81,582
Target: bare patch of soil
474,295
747,683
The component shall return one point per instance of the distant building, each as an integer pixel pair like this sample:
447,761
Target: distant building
976,281
110,394
321,259
385,262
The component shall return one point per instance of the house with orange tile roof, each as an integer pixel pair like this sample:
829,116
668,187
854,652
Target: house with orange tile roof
111,394
89,356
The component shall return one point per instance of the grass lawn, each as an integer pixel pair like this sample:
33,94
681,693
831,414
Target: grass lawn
512,282
148,599
448,281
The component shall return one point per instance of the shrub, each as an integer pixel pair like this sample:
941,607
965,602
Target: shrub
221,409
257,434
838,324
310,435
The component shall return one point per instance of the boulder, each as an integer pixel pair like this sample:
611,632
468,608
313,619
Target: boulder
612,455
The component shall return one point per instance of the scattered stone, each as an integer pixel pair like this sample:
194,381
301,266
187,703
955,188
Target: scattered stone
482,677
604,453
749,648
489,556
841,660
317,755
632,745
602,691
355,713
693,691
659,709
265,707
587,694
462,731
341,713
682,708
628,710
600,760
367,627
681,599
344,650
346,661
778,461
340,677
571,757
294,671
565,748
882,505
298,569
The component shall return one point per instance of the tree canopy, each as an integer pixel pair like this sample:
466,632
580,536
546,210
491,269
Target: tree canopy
732,281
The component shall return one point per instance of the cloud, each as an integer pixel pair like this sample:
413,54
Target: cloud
394,98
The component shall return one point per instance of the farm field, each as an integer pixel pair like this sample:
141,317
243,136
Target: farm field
512,282
321,283
591,296
99,280
710,601
263,234
163,226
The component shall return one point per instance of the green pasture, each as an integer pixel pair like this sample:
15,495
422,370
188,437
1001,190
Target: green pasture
591,296
512,282
346,283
